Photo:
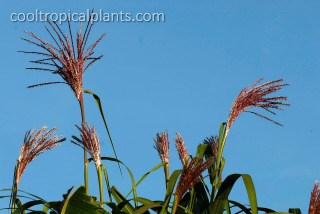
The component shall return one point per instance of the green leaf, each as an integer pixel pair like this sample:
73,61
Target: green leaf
145,201
295,211
204,149
123,204
109,159
242,207
114,207
225,189
227,207
133,183
98,102
106,177
184,209
21,208
55,205
79,202
221,139
27,193
146,174
147,204
145,208
171,184
201,197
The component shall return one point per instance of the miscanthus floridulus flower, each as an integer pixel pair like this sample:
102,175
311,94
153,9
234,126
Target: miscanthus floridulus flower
314,206
255,96
191,175
182,150
90,141
213,141
67,55
35,143
162,146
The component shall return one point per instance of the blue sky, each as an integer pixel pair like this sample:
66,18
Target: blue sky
181,75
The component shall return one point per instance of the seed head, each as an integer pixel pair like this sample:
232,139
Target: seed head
213,142
35,143
254,96
66,57
314,206
191,175
162,146
182,150
90,141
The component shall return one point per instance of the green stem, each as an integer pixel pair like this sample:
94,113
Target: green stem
167,174
221,147
85,158
175,204
14,196
14,188
223,133
99,171
167,177
86,174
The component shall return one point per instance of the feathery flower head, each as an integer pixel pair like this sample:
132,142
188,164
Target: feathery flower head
90,141
35,143
314,206
191,175
255,96
67,57
213,142
162,146
182,150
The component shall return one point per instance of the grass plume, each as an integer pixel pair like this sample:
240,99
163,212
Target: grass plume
182,150
35,143
189,177
254,96
90,141
314,206
69,56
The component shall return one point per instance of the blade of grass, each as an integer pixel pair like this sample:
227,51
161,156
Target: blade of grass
146,174
225,189
171,184
123,204
79,202
242,207
147,204
23,207
98,102
106,177
134,188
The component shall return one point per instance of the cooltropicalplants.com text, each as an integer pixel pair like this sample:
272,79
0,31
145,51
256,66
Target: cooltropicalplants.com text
99,16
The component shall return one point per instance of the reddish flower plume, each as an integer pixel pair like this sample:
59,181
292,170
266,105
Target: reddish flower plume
255,96
162,146
66,56
182,150
33,145
90,141
191,175
314,206
213,141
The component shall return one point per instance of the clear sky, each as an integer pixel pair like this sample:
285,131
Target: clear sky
180,75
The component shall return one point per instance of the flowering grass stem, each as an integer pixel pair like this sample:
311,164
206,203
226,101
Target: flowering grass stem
100,179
